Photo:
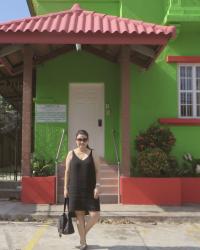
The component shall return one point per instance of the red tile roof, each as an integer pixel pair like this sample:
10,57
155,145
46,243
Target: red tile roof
77,20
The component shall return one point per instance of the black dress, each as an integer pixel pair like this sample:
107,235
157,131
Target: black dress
82,182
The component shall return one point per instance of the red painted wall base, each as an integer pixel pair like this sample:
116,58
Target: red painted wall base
38,190
159,191
191,190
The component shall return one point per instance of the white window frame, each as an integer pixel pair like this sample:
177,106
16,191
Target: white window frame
194,91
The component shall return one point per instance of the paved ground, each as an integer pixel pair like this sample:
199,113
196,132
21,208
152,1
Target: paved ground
137,236
127,227
15,210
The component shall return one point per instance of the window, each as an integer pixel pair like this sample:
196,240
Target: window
189,90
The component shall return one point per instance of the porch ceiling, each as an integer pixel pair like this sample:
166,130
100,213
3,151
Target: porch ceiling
57,33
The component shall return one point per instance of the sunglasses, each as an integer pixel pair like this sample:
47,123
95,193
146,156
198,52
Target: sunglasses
81,139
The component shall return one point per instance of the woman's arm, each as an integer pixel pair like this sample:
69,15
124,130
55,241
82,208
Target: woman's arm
66,176
97,169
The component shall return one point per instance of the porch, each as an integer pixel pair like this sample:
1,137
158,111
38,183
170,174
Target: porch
42,38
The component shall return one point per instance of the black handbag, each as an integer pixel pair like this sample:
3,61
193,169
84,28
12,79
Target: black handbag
65,225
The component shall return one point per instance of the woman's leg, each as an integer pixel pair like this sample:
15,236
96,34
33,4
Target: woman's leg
92,220
80,219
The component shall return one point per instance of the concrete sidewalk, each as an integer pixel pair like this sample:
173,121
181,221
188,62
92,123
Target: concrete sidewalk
110,213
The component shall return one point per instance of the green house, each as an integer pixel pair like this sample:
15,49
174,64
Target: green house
111,67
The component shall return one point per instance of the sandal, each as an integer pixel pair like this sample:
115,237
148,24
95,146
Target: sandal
83,247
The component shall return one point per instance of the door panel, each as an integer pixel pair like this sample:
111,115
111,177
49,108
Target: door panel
86,111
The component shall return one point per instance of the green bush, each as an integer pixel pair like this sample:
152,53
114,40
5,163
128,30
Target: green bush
188,167
171,171
155,137
153,162
42,167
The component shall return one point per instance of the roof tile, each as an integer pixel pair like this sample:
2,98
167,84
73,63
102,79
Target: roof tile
78,20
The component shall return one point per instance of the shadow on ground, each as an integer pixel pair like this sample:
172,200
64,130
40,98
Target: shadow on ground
122,247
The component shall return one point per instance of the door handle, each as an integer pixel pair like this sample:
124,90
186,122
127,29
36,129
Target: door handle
99,122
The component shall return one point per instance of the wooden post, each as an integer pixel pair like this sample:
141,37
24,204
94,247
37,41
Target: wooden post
27,111
125,109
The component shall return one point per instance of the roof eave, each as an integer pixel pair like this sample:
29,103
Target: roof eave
82,38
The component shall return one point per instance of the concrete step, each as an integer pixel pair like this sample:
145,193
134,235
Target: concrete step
10,193
103,173
109,189
104,198
10,184
113,171
107,167
108,174
105,179
60,199
61,168
109,181
105,190
108,198
61,179
61,173
61,185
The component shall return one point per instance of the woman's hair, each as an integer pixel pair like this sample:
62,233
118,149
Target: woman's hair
83,132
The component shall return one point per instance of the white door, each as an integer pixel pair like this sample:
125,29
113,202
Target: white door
86,111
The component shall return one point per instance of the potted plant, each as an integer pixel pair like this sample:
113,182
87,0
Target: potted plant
40,187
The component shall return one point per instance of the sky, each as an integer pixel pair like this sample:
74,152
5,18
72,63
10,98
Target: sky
13,9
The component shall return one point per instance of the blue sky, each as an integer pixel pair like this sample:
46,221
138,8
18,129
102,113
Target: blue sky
13,9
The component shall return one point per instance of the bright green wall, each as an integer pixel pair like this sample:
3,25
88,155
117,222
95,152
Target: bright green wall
154,92
52,87
110,7
146,10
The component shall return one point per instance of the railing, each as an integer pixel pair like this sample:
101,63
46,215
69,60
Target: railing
190,3
175,2
56,162
10,145
182,11
118,163
185,3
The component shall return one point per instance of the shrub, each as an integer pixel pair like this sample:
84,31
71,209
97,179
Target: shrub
173,166
153,162
188,168
155,137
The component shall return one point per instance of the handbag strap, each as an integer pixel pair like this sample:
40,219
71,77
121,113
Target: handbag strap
66,204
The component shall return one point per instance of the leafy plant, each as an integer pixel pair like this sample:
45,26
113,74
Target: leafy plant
188,168
155,137
171,171
42,167
5,106
153,162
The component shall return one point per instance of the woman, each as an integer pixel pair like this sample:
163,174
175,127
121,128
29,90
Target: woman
81,185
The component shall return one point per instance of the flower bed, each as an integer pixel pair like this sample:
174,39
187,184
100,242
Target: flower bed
39,190
159,191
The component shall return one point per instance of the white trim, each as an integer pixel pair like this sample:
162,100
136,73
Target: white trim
194,90
178,86
194,103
